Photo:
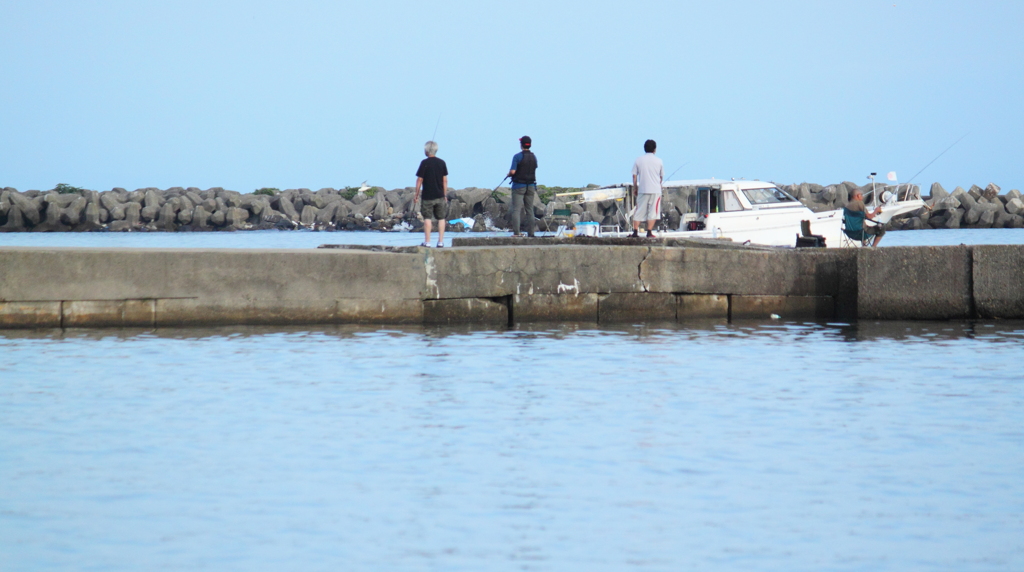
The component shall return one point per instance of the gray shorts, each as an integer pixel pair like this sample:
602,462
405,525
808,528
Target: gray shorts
434,209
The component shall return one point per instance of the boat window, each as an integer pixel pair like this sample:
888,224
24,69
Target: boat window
707,201
768,196
730,201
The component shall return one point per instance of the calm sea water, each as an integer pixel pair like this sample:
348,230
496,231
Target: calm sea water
706,446
889,446
310,239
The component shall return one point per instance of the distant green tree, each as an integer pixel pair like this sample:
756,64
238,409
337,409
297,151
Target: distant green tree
269,191
66,189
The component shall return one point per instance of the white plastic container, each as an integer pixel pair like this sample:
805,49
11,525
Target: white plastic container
588,229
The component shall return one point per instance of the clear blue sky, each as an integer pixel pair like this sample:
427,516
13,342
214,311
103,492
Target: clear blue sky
328,94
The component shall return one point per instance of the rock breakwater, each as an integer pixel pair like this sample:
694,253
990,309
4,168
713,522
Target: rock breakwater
976,207
65,209
193,209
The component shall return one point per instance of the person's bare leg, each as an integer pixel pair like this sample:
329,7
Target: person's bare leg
440,231
877,240
426,231
650,225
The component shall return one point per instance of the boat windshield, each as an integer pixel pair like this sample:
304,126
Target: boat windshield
768,196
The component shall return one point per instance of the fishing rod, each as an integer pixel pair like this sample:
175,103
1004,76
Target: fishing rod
669,178
432,137
937,158
499,184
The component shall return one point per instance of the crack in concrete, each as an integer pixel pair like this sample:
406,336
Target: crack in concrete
512,273
640,267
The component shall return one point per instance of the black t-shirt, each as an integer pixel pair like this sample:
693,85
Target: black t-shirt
433,171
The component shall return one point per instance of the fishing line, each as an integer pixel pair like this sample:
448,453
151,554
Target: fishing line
432,137
937,158
669,178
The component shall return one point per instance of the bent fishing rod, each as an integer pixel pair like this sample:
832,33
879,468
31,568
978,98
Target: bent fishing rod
669,178
434,136
937,157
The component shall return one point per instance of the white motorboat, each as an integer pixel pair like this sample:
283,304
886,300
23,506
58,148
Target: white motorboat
750,212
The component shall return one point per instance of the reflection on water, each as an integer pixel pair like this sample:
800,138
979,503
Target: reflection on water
310,239
778,446
867,330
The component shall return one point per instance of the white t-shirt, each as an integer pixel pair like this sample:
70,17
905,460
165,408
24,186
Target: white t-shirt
649,173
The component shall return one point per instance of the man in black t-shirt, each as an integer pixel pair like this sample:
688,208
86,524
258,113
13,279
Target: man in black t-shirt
432,178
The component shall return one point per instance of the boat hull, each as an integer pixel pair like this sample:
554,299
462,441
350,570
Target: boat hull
781,226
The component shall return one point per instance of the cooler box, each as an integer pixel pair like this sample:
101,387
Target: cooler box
588,229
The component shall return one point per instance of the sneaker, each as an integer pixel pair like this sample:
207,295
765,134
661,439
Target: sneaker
650,234
424,245
440,245
635,235
531,235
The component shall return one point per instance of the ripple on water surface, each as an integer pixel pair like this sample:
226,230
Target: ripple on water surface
881,446
310,239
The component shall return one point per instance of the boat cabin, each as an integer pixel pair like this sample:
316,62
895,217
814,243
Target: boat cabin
715,197
736,196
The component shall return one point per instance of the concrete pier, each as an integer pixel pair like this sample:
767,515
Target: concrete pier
91,288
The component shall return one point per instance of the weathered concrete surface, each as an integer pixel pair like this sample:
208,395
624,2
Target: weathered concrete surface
777,272
30,314
195,312
531,270
356,311
208,274
161,287
198,312
555,308
49,287
786,307
465,311
909,283
491,241
109,313
780,272
636,307
702,306
998,277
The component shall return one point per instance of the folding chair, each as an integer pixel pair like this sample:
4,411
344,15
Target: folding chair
853,229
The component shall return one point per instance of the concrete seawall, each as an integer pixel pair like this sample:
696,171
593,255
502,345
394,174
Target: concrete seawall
71,287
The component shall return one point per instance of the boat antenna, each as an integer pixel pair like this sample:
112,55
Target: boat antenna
669,178
435,126
937,157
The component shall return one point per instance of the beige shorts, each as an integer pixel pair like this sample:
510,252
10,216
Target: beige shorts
648,206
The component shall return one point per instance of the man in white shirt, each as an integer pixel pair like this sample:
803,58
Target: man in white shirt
648,174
